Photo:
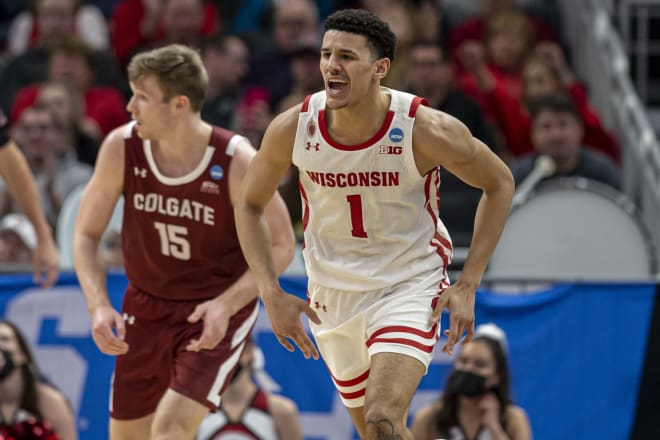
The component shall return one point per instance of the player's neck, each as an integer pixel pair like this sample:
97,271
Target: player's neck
359,122
182,149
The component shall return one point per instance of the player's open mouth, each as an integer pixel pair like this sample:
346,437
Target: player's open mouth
336,86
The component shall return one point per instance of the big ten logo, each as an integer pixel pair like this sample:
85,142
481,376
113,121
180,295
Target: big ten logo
390,149
57,327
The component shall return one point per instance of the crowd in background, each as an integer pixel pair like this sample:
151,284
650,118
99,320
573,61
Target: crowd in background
499,66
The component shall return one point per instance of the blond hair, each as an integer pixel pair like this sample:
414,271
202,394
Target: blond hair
178,69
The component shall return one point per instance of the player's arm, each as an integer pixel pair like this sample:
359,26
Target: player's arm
285,417
261,180
277,222
443,140
260,183
15,170
96,206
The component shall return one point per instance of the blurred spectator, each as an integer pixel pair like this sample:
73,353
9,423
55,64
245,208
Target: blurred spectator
269,67
17,240
255,16
304,67
139,24
57,171
30,408
557,132
430,75
69,109
17,181
400,16
474,29
476,401
52,18
32,66
225,58
248,411
72,61
494,68
549,73
498,61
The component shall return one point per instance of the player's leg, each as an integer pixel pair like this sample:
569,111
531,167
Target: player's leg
177,417
393,380
357,415
199,377
142,375
136,429
400,344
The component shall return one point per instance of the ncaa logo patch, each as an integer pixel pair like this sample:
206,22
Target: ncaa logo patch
216,172
396,134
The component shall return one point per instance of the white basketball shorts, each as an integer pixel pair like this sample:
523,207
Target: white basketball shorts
357,325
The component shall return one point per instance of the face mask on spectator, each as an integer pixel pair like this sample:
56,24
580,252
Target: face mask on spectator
7,366
466,383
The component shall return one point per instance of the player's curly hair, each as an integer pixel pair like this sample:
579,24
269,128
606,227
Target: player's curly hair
380,38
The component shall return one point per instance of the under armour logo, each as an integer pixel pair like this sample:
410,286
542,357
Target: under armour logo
310,146
130,319
142,172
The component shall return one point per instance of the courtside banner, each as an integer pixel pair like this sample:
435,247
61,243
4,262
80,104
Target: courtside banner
576,353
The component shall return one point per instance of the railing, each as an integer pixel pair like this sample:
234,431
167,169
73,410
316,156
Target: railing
600,60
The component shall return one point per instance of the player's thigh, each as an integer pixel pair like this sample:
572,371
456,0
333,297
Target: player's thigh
135,429
177,413
393,381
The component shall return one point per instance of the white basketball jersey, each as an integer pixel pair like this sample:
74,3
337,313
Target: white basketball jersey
370,219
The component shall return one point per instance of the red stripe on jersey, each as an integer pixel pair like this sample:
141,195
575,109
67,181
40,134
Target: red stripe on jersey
438,241
354,394
351,382
305,104
402,341
414,105
404,329
375,138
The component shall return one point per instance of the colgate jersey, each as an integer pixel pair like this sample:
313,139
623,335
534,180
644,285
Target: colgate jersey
178,234
370,219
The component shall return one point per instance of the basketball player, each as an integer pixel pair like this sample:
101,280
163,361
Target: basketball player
249,412
190,302
375,251
20,184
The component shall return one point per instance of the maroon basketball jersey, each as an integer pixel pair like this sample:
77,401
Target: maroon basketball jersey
178,234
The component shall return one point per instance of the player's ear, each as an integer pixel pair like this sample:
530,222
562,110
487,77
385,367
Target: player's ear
382,67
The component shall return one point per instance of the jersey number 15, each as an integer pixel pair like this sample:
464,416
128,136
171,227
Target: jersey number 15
173,240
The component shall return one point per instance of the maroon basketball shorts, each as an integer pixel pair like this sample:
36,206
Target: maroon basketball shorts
158,332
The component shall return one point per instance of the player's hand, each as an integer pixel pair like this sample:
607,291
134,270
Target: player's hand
459,300
284,313
104,319
215,317
45,258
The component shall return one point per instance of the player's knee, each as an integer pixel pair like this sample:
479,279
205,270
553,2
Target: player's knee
174,428
383,414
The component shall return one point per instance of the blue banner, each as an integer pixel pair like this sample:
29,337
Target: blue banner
576,353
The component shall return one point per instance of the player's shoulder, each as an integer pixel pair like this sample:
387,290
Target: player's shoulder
281,405
113,146
288,119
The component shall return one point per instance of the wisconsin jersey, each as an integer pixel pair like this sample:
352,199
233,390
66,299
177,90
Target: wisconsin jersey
178,234
370,219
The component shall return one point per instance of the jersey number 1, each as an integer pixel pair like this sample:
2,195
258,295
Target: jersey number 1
357,224
173,240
